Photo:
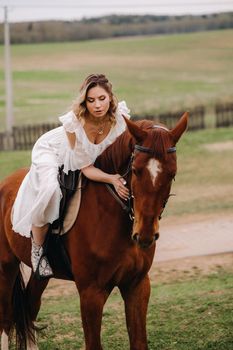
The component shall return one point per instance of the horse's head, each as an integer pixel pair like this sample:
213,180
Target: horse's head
153,169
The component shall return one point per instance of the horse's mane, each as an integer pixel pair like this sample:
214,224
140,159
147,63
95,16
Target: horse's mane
117,154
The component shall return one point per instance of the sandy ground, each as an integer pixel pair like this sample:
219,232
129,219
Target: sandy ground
195,235
188,246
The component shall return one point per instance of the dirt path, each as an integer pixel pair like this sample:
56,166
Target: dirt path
195,235
187,246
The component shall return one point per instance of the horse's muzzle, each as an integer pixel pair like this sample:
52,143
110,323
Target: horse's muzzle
144,243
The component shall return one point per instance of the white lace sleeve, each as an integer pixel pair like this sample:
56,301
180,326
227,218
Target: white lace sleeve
69,121
77,157
122,109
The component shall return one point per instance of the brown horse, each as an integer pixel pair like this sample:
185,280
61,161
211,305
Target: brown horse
105,246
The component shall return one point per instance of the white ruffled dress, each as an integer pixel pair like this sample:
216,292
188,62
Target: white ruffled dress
39,195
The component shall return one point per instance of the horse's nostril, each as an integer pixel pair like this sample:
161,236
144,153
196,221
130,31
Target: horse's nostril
156,236
135,237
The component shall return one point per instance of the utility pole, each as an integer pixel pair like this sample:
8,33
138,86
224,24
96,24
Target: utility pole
8,75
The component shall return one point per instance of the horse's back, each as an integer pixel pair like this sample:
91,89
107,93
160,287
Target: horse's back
8,191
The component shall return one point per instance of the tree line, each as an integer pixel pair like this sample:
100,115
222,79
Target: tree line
114,26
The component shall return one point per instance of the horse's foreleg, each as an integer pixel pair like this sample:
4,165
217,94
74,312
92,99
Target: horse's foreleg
4,341
136,300
92,302
34,290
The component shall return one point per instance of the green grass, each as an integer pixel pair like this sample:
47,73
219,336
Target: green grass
190,314
11,161
152,73
204,179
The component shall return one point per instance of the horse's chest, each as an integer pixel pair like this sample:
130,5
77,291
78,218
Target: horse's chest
133,266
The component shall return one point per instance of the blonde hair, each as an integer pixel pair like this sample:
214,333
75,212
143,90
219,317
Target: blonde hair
79,106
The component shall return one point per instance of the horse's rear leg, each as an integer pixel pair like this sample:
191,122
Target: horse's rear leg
136,300
92,301
4,341
26,308
8,273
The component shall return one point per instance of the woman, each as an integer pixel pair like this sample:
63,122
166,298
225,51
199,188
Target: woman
95,121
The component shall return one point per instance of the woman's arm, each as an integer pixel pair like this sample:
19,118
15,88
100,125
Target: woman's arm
116,180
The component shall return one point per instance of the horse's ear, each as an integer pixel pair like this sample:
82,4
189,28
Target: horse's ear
135,131
180,127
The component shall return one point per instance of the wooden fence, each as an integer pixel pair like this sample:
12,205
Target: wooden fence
196,120
224,115
2,141
5,141
24,137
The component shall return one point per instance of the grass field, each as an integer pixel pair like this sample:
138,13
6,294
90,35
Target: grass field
153,74
204,179
192,313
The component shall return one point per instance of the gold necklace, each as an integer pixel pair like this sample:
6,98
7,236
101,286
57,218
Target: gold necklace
99,124
100,130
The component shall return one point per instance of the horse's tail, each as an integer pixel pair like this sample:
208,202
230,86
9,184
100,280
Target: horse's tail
22,322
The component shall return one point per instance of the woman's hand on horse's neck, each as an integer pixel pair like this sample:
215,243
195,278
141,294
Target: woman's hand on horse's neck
96,174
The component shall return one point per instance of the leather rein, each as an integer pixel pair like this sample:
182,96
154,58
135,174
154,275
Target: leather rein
128,206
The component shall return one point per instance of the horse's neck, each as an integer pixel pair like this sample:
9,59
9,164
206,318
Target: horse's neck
116,157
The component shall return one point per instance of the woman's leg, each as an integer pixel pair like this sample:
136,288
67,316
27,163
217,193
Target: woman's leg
39,233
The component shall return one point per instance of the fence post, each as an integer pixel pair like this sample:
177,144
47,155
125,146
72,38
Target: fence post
224,115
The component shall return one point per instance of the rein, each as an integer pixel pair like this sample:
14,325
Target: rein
129,206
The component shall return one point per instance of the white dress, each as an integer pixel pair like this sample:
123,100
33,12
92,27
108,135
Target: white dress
39,195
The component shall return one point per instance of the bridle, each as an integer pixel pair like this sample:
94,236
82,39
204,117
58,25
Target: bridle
128,206
150,151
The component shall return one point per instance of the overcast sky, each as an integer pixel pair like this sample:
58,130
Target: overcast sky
29,10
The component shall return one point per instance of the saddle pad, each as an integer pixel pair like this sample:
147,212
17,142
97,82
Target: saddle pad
72,211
